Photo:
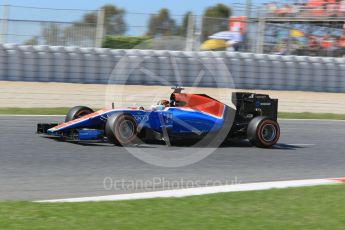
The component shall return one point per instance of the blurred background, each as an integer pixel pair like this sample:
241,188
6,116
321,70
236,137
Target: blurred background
277,47
287,27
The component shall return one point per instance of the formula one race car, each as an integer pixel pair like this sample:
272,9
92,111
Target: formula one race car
183,117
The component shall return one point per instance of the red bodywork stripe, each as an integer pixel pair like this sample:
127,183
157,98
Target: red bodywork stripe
201,103
80,119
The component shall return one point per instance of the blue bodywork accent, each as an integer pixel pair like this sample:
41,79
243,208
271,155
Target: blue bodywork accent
177,120
191,121
89,134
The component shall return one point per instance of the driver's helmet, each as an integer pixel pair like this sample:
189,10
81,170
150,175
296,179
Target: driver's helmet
165,103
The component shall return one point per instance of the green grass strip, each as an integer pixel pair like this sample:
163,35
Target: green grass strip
34,111
330,116
319,207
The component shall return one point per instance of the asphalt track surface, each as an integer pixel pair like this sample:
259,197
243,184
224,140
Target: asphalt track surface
32,167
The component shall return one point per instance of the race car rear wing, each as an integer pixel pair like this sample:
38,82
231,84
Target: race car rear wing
249,105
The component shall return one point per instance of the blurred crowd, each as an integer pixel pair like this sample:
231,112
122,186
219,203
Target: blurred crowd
306,8
328,45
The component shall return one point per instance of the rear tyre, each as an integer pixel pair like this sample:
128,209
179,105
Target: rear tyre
263,132
77,112
121,129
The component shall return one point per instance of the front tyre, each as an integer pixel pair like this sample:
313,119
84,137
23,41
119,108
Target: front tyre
263,132
77,112
121,129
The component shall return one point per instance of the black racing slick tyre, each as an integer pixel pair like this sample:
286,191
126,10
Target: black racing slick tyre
121,129
77,112
263,132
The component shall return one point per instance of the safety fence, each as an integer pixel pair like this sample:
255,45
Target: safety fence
288,28
153,67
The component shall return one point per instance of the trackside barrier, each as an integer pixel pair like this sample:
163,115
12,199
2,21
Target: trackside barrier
159,67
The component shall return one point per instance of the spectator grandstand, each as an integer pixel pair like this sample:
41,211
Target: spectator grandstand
306,8
305,27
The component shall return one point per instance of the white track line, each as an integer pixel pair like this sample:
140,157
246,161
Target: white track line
205,190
